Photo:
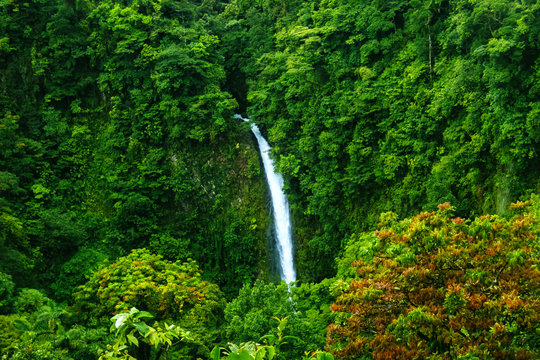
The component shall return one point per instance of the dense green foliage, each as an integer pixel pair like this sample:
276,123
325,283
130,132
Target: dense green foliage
301,313
115,134
129,192
376,105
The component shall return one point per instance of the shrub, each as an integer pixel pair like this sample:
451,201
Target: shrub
171,291
30,300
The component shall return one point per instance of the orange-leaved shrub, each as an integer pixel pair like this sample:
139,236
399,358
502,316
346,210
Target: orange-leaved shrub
440,287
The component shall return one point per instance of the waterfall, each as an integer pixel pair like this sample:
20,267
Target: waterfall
280,205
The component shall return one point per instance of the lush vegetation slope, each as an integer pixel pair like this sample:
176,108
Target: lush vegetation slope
392,105
115,135
128,191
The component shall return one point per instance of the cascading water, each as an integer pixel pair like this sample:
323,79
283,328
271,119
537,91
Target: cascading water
280,205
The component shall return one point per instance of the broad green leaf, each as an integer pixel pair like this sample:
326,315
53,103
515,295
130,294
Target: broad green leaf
132,339
142,327
243,355
215,353
260,354
143,314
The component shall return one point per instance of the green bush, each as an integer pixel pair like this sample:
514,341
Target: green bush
172,291
30,300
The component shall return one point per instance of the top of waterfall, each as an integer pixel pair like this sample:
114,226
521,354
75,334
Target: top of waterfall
238,116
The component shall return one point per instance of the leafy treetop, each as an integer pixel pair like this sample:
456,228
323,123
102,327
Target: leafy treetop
148,282
441,287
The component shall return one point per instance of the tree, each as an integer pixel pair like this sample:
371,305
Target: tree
441,287
172,291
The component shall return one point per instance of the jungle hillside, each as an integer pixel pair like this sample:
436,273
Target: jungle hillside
136,220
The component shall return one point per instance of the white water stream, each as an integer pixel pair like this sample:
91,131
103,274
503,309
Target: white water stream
280,205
